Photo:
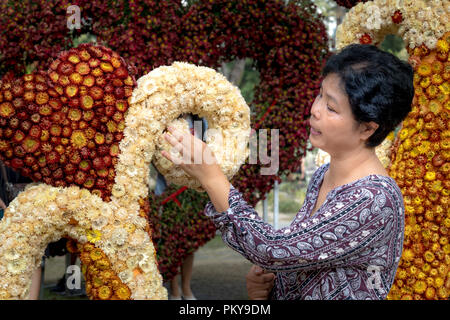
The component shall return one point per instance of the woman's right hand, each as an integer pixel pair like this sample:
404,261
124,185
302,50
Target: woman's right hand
259,283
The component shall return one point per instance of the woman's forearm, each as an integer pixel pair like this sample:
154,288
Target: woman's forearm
218,189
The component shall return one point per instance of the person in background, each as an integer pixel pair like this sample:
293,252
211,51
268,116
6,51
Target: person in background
185,292
11,184
2,208
187,265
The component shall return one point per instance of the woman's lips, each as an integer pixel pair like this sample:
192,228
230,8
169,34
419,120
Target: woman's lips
314,131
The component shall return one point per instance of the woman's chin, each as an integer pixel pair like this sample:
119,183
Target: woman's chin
314,141
318,145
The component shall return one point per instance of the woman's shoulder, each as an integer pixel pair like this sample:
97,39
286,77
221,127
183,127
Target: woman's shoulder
381,186
382,182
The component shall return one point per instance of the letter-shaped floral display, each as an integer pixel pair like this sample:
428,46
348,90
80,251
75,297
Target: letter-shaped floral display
82,130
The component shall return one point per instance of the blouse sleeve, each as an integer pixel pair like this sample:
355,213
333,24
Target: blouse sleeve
343,233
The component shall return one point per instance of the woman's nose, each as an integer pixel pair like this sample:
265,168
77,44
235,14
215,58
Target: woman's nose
315,110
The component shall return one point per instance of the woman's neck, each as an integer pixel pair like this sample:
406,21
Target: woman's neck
350,166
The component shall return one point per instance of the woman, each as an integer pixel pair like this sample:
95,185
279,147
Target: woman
346,240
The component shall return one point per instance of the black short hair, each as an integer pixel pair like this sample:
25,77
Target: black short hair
379,86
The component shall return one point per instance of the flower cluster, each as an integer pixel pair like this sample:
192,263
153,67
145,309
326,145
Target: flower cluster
178,231
102,283
117,250
112,227
417,22
63,127
287,42
384,150
145,32
420,165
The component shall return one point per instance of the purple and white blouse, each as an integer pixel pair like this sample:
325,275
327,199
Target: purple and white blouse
349,249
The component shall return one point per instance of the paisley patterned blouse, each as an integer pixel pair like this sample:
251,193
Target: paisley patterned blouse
349,249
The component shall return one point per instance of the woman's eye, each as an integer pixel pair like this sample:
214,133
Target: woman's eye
332,110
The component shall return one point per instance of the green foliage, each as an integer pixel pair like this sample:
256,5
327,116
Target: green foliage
84,38
249,81
395,45
289,206
291,197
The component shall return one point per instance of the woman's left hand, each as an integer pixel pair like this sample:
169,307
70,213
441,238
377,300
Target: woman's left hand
194,156
200,163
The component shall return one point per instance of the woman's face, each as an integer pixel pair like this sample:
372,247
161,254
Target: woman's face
333,126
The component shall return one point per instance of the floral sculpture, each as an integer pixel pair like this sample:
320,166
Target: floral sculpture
85,130
420,156
286,40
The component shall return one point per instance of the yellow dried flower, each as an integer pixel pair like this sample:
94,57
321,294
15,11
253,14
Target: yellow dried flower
420,286
96,254
429,256
442,46
104,292
430,175
93,235
123,292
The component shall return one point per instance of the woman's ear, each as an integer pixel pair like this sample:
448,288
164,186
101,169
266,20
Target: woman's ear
367,129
